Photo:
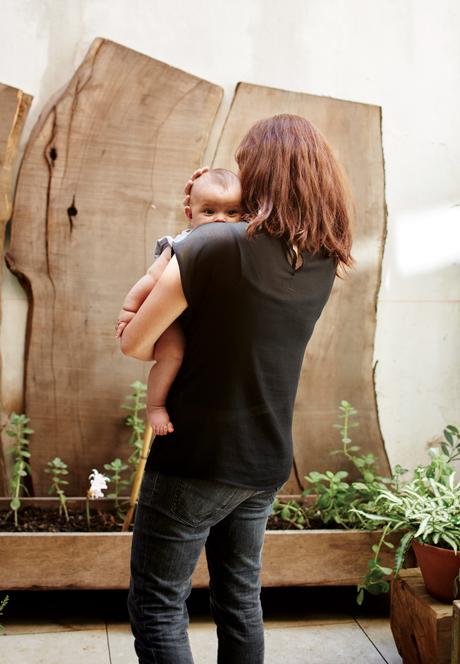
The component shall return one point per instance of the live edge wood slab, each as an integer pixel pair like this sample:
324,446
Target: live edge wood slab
101,560
101,179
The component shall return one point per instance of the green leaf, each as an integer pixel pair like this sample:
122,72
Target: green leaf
401,551
386,570
285,513
15,503
360,597
378,588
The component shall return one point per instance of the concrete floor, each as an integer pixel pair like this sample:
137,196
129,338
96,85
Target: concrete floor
302,625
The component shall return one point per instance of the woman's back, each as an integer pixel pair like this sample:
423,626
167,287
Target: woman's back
250,316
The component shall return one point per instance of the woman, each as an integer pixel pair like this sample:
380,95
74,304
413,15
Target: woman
251,294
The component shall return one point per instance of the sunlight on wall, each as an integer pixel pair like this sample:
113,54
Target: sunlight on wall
427,240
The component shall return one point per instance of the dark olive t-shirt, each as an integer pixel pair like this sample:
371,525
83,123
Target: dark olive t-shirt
250,315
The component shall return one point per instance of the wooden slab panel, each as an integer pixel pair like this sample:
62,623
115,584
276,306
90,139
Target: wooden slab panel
339,360
14,107
101,179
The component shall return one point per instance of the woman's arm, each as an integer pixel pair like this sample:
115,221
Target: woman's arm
164,304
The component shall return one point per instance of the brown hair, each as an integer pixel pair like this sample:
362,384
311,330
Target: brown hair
293,187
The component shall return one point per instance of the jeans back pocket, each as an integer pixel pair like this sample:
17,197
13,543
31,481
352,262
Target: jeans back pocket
198,502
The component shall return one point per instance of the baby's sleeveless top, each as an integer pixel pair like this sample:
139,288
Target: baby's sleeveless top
249,318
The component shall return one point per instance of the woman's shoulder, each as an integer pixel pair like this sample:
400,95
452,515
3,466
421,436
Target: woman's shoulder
216,235
219,230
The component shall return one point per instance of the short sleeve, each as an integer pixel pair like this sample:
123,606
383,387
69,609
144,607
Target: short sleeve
207,259
161,244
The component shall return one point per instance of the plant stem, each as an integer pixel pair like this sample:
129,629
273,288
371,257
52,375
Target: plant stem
88,518
345,434
16,493
379,545
62,503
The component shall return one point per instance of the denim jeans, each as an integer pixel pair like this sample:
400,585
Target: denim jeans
175,518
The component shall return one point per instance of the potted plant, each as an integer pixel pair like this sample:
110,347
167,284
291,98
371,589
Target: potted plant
426,511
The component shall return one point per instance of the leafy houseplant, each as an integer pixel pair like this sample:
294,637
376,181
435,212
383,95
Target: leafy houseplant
115,469
291,512
56,468
137,404
428,509
338,499
18,430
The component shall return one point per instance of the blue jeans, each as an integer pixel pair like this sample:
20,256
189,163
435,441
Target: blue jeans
175,518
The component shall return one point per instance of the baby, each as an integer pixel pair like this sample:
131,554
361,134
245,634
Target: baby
215,196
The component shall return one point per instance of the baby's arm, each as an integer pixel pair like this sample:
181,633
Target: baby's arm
138,293
141,290
169,352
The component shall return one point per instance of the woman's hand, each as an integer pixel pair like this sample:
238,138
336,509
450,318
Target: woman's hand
188,187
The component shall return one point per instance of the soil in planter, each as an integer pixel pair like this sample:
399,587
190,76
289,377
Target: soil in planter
277,523
36,520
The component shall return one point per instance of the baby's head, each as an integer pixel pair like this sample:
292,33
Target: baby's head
215,196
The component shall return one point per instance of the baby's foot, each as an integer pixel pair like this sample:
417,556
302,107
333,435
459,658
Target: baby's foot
159,419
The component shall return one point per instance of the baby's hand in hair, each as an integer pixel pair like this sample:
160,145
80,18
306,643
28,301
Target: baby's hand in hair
123,319
188,187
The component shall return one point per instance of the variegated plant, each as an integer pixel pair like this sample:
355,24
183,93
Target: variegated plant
427,508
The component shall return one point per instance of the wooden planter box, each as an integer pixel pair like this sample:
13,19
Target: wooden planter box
98,560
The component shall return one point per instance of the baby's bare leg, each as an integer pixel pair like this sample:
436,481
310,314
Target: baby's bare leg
169,351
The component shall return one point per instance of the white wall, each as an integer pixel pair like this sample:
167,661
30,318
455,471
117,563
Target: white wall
403,55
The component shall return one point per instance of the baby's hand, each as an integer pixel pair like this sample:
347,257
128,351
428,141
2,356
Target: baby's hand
123,319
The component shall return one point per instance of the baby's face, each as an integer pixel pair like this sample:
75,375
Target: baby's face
212,202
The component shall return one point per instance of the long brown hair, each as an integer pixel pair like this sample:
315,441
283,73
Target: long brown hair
293,187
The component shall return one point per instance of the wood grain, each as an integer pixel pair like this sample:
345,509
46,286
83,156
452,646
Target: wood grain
421,625
339,358
101,560
455,658
101,179
14,107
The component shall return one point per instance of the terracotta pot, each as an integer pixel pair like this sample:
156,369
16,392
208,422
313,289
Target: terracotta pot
439,568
